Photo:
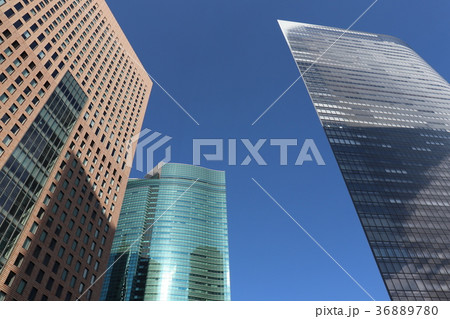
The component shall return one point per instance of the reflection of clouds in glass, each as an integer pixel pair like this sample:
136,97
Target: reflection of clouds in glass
167,276
385,112
185,252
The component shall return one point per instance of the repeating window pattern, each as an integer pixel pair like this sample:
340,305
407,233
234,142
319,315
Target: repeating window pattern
42,42
386,113
184,256
27,169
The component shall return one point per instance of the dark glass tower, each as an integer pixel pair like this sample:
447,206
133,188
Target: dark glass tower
386,114
184,253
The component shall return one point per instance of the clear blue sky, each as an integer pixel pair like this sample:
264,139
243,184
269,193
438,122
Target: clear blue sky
225,62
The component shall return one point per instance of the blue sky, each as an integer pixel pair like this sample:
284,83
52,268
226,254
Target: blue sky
225,62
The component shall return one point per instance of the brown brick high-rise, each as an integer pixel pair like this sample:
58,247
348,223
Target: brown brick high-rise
72,93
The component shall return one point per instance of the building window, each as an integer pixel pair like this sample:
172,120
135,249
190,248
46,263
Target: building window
6,118
10,69
7,140
89,294
21,286
49,284
26,243
64,274
20,99
55,267
34,228
73,281
11,89
46,200
29,109
61,252
85,273
19,80
22,119
40,276
82,252
32,294
4,97
81,288
46,259
59,291
26,35
30,268
19,260
43,236
8,51
37,251
10,279
15,129
69,259
52,244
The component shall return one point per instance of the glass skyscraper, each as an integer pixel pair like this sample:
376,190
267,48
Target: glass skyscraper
386,112
172,240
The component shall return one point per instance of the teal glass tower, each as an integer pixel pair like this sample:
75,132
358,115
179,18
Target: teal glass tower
171,242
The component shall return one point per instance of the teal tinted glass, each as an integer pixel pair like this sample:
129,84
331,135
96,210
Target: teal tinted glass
184,255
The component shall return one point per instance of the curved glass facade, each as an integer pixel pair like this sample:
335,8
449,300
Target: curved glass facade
386,113
184,254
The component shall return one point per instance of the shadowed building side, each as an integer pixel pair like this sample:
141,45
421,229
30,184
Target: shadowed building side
129,259
207,275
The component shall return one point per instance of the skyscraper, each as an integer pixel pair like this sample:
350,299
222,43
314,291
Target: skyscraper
386,112
72,93
171,242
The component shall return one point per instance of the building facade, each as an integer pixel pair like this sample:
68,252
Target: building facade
72,93
172,241
386,114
